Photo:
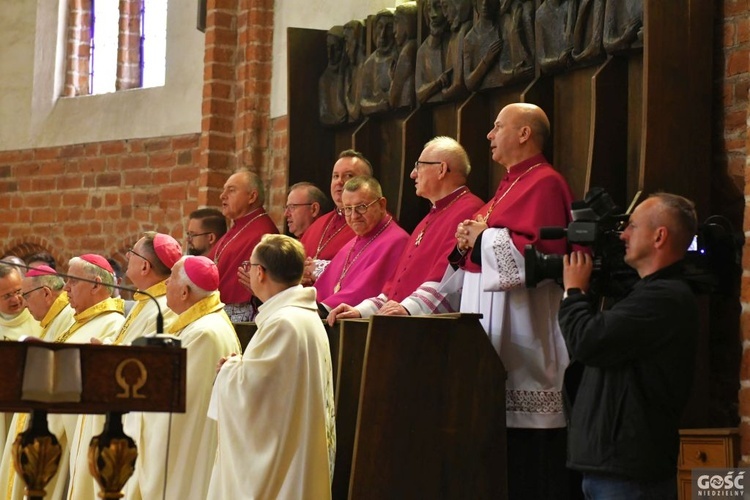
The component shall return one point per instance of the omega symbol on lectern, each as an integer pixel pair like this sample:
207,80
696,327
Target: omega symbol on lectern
131,386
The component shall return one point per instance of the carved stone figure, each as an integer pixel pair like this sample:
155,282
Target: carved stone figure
482,47
458,13
555,22
378,68
431,75
623,25
354,45
402,94
587,35
517,33
331,103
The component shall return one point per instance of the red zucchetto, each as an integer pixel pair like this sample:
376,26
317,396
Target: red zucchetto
202,272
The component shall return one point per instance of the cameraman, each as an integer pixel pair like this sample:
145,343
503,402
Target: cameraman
638,358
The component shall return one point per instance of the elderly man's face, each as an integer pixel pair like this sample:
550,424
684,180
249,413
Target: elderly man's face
79,292
11,300
237,197
174,290
35,295
426,175
362,200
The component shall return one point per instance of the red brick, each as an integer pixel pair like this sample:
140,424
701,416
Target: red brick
160,144
108,180
737,62
43,184
134,162
137,178
16,156
8,186
113,148
161,177
219,89
69,182
162,160
185,141
75,199
42,216
47,153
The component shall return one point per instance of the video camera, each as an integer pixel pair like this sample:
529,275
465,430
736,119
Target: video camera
711,263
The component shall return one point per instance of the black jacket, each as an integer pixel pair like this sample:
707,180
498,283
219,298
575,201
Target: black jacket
638,362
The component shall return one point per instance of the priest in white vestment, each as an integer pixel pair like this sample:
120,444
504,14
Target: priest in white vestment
176,452
15,320
274,404
149,265
98,317
42,289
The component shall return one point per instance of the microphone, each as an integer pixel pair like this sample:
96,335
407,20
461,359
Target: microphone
159,316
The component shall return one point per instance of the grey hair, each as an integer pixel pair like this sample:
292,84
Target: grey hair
459,158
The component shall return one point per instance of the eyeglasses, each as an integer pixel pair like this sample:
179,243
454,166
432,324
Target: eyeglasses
294,206
10,295
190,236
139,255
360,209
418,163
26,294
246,265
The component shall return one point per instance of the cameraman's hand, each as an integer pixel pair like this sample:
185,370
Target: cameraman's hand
577,269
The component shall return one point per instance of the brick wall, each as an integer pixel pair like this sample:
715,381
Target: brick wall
732,142
100,197
96,197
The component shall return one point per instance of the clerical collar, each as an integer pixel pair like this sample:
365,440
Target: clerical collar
247,217
445,200
521,167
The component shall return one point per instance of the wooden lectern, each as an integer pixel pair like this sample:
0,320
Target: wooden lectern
420,409
114,380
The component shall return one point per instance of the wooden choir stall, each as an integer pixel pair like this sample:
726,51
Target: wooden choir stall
420,409
43,378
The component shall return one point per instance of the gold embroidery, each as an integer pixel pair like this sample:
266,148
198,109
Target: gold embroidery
106,305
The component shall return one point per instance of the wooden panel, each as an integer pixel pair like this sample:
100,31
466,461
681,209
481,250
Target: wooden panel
431,418
676,154
635,124
571,131
311,146
444,120
416,129
349,359
245,332
607,160
474,112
